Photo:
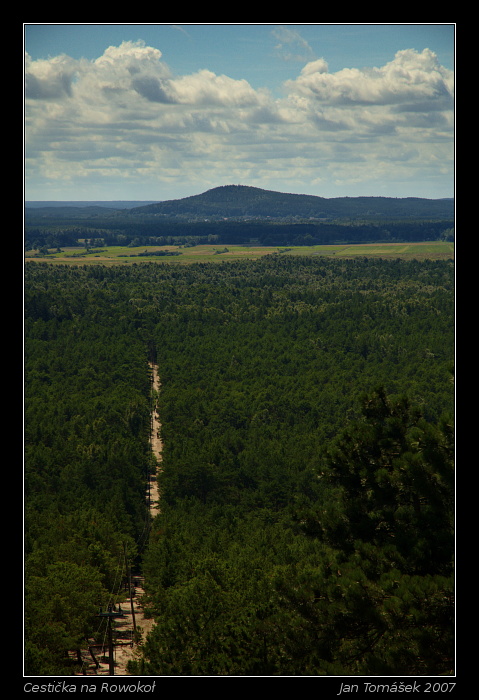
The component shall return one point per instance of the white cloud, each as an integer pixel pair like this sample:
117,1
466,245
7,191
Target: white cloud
314,67
125,117
206,88
49,79
410,77
130,53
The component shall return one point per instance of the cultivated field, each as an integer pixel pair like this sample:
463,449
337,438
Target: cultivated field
116,255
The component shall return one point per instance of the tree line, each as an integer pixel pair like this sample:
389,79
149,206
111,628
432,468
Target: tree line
149,231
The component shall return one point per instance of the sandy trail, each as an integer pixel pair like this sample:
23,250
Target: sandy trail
156,443
125,649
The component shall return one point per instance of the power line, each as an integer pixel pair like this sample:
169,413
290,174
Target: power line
110,614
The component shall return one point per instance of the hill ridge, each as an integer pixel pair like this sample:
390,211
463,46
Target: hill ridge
254,202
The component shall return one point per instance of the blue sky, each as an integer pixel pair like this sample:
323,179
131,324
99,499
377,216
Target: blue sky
161,111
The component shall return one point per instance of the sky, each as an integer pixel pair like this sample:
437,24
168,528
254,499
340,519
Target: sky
163,111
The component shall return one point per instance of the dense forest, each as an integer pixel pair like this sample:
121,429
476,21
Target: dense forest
307,484
147,233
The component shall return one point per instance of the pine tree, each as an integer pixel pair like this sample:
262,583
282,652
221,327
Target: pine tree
387,511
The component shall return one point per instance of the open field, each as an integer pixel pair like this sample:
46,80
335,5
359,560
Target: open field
116,255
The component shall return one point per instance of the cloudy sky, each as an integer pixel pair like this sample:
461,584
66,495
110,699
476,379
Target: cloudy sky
163,111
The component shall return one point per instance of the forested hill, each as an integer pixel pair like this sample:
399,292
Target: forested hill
243,201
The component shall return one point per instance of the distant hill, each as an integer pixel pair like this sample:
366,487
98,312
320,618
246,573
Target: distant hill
115,204
79,210
240,201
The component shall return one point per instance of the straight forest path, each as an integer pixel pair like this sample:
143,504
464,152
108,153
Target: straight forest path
126,649
155,439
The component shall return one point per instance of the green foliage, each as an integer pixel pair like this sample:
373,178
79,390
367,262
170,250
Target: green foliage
61,608
388,509
306,516
86,455
394,478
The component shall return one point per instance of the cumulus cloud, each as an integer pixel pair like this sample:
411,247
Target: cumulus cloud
206,88
315,67
130,53
409,78
126,116
49,79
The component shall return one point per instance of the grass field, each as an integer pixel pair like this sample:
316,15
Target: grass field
116,255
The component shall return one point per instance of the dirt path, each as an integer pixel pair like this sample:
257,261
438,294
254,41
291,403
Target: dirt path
125,649
156,444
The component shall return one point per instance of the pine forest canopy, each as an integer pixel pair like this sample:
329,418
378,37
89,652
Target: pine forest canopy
307,484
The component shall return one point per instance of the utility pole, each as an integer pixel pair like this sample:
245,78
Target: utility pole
110,614
130,587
